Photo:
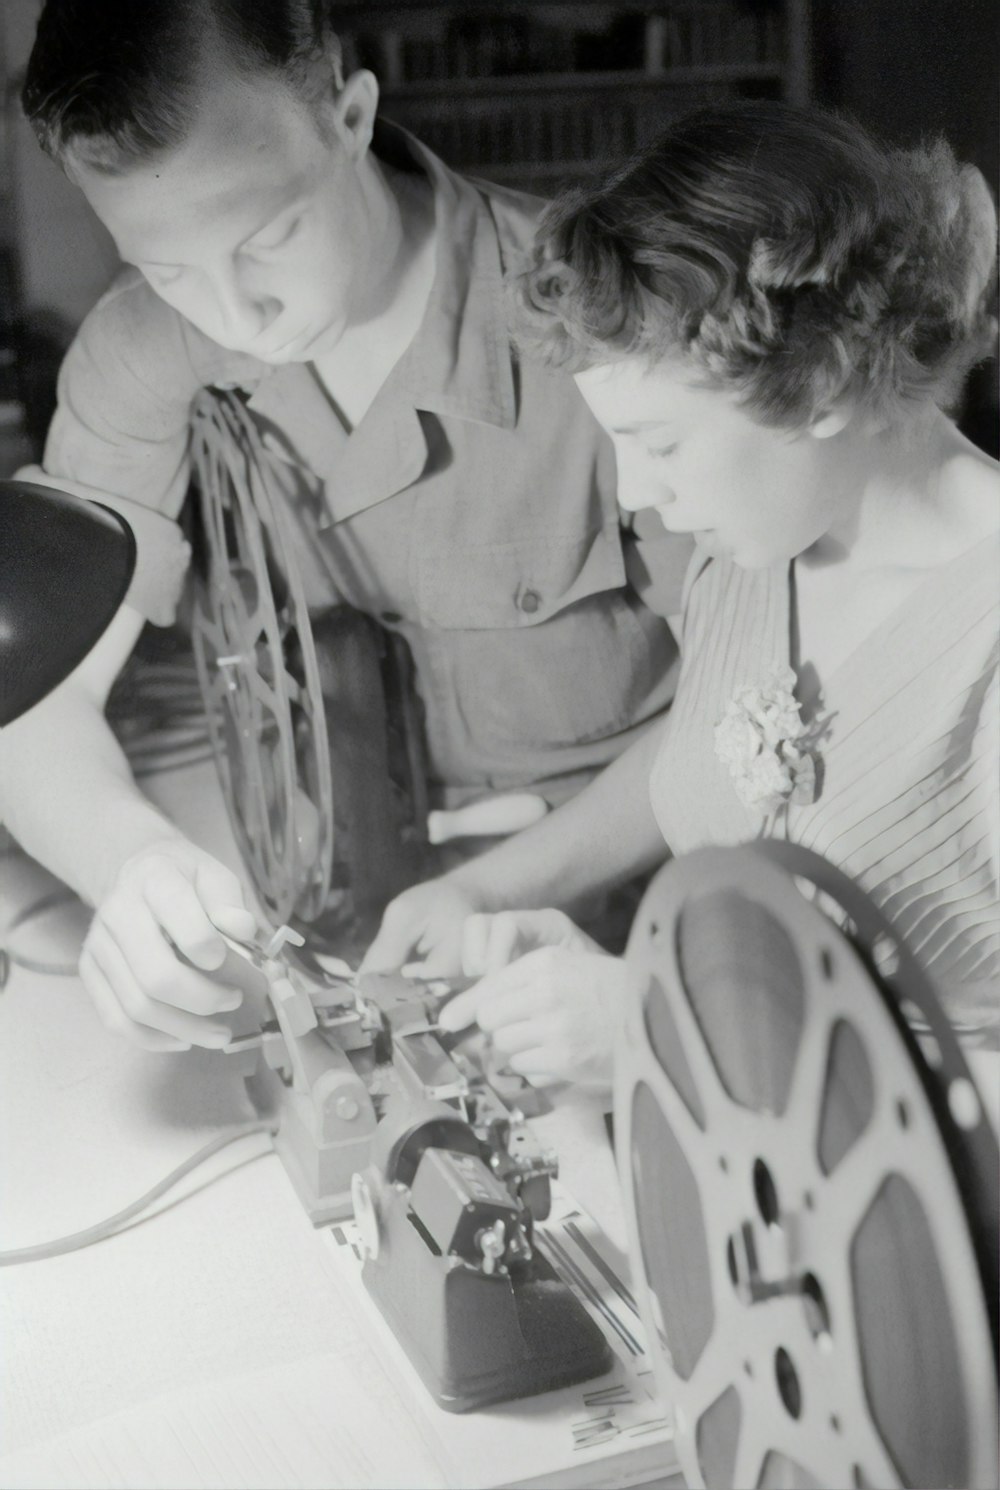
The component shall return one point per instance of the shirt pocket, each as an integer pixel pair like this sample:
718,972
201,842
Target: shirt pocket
468,586
534,643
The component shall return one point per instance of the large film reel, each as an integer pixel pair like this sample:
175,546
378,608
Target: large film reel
811,1196
257,665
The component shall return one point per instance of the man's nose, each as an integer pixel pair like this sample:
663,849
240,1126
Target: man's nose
243,312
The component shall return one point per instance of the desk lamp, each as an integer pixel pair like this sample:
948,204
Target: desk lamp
65,565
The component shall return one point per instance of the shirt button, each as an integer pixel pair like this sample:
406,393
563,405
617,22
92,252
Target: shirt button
530,601
391,617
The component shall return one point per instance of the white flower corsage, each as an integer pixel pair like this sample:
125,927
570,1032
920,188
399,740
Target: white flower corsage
763,742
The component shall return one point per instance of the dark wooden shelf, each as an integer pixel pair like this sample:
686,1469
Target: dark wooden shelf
521,93
360,12
582,82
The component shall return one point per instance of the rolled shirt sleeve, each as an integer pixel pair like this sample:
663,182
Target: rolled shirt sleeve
120,434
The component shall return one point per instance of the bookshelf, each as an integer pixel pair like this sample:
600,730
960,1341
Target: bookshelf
536,94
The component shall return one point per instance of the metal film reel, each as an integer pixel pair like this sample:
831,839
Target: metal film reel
258,670
812,1203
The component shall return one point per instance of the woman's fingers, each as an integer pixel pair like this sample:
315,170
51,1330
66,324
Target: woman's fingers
551,1014
421,931
521,990
537,1066
522,1035
490,942
461,1011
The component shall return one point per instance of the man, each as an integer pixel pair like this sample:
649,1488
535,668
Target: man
285,244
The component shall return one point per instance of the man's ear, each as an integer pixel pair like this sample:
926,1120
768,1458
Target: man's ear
831,421
355,110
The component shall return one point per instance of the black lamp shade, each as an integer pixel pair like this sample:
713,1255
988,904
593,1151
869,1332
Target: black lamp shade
65,565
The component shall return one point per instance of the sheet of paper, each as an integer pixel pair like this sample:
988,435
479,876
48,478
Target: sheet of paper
358,1416
316,1424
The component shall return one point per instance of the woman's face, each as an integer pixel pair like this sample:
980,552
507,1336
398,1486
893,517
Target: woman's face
747,492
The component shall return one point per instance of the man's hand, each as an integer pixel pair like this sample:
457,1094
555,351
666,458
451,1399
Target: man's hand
153,939
423,924
550,998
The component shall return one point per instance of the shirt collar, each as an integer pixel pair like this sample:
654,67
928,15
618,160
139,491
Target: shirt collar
459,364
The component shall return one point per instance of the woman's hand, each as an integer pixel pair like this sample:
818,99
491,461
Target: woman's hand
425,922
550,999
154,938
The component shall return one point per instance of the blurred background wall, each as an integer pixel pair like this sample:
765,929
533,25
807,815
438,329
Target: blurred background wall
532,94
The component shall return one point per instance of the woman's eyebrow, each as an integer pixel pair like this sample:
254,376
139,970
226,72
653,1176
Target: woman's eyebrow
639,426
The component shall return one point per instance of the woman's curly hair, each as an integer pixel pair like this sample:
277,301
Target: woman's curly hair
783,253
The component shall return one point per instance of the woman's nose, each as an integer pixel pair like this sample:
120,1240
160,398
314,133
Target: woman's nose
638,487
640,484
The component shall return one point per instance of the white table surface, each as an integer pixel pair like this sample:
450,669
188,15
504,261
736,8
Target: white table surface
230,1281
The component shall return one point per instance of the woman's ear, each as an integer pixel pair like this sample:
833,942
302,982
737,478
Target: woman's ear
355,111
831,421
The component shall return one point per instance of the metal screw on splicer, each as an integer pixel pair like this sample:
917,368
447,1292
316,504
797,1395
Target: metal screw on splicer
491,1244
346,1108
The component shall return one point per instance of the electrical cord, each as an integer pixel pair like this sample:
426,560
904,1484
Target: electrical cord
157,712
72,1243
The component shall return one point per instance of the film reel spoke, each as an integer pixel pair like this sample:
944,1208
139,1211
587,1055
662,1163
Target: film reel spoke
804,1108
750,1458
717,1369
845,1196
716,1102
867,1461
253,794
685,1055
258,664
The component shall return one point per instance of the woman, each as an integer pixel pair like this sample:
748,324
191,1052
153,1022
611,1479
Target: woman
766,311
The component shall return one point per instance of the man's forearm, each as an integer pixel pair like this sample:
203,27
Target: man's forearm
67,794
603,835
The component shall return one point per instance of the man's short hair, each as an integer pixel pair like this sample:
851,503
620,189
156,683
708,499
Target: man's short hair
114,83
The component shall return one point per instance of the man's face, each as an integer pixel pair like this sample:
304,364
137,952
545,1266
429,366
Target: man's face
260,229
